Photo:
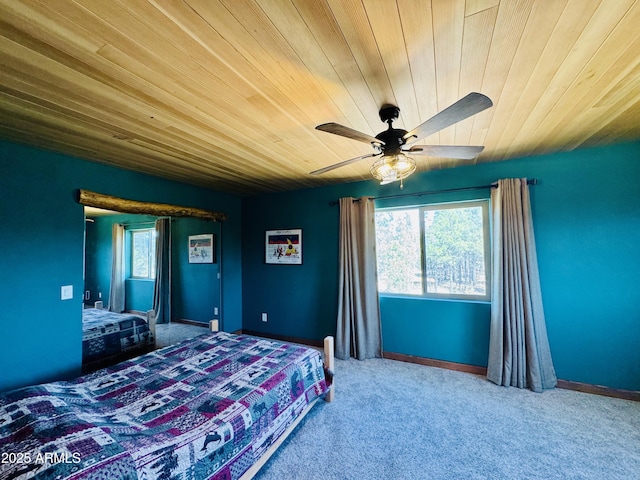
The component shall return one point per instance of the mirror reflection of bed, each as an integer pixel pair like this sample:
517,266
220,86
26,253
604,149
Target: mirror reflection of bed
175,332
190,300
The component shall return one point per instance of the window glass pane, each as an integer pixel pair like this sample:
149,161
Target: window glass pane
454,251
398,251
141,253
152,256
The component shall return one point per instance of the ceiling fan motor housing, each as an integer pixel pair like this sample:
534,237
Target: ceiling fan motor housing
392,138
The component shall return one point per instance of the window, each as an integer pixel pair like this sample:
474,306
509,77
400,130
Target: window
143,253
438,251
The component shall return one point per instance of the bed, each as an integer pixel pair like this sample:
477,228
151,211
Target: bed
212,407
109,337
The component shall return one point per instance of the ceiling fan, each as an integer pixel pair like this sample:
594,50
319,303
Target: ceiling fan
392,145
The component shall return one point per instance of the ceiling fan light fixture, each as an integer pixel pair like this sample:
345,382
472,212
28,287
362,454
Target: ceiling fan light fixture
391,168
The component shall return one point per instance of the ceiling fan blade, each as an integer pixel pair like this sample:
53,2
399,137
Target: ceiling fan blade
446,151
342,164
343,131
463,108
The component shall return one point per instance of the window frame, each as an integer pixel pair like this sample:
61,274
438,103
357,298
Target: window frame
484,203
152,253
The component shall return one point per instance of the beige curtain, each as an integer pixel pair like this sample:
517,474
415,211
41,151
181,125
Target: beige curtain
519,353
358,332
162,285
116,289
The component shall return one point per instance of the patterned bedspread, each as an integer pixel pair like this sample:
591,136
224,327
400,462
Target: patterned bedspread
208,407
106,334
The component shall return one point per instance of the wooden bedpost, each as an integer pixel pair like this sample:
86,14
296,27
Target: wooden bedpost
151,321
329,364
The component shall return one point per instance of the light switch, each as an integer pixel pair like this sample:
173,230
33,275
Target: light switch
66,292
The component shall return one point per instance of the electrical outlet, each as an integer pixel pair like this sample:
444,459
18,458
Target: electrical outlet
264,317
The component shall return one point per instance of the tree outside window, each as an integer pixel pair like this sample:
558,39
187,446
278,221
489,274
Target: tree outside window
439,251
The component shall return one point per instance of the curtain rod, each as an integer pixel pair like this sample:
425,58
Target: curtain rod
531,181
131,224
135,224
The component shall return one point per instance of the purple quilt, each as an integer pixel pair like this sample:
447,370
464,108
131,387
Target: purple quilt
205,408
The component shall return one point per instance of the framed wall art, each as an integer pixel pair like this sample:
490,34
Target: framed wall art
283,247
202,248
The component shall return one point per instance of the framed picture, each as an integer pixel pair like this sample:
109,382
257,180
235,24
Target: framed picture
283,247
202,248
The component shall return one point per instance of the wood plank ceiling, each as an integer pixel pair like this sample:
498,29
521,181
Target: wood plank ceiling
226,93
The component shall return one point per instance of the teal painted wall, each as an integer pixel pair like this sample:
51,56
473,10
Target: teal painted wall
195,285
586,212
94,254
41,249
300,300
587,218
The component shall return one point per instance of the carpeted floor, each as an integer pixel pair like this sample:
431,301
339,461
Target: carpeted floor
172,333
393,420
